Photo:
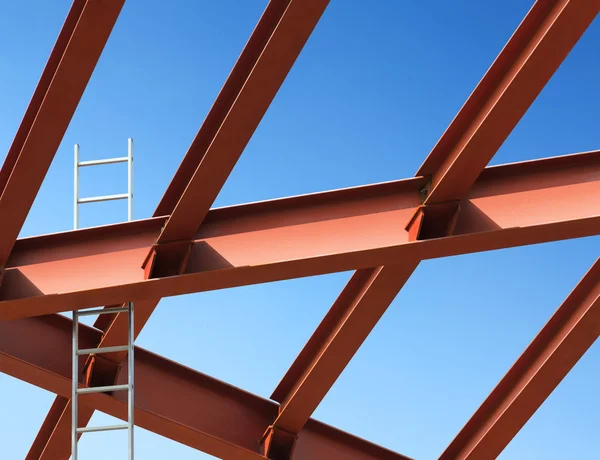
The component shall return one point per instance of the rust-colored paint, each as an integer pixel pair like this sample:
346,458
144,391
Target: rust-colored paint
235,433
223,103
264,80
453,206
556,202
275,43
354,314
54,112
519,73
547,360
53,441
40,91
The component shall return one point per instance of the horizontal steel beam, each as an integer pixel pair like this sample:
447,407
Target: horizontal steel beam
167,397
511,205
547,360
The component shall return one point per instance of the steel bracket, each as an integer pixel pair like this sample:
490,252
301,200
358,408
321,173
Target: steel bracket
167,259
433,221
278,444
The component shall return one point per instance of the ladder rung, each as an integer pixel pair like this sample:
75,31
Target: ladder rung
104,389
106,161
102,311
89,351
95,199
91,429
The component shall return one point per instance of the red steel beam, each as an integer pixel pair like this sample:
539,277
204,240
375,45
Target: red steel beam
539,370
517,76
343,330
40,91
222,105
55,99
511,205
242,119
168,396
53,441
255,79
454,165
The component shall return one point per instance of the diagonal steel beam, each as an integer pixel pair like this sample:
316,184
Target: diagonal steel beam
501,98
539,370
257,75
222,105
343,330
234,433
55,99
40,90
517,76
242,119
53,440
512,205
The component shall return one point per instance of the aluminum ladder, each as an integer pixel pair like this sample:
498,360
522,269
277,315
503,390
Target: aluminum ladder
96,199
129,387
129,309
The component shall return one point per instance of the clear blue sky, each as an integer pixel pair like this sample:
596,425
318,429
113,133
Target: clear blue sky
371,93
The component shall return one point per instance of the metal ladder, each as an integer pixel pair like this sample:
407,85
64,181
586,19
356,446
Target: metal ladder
96,199
76,391
129,309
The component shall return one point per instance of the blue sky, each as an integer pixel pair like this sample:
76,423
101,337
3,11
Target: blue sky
374,88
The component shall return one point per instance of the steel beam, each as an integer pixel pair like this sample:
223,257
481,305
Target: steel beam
539,370
259,72
168,396
223,103
511,205
517,76
53,441
40,91
55,99
343,330
264,80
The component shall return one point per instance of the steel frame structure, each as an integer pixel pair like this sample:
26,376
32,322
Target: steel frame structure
453,205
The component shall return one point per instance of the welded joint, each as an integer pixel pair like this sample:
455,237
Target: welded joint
277,443
426,189
167,259
100,371
433,221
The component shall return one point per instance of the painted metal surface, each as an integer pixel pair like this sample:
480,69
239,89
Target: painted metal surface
255,243
351,318
564,339
63,82
254,97
453,206
234,434
519,73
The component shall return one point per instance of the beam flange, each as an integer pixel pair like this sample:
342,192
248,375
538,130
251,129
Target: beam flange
519,73
258,91
235,433
54,103
539,370
343,330
513,205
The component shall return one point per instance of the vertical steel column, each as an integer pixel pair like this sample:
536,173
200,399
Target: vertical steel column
76,188
75,380
130,179
130,367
